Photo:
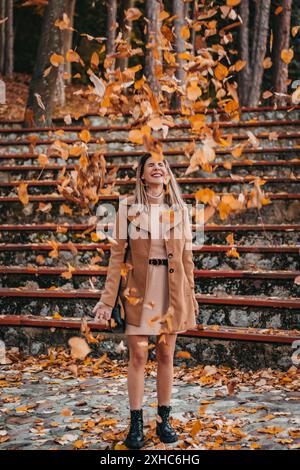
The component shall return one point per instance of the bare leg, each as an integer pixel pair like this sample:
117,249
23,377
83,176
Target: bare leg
138,356
165,368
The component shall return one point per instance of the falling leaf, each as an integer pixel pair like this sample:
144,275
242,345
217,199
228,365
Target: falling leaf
132,14
267,63
79,348
23,194
233,3
56,60
72,56
183,355
85,136
287,55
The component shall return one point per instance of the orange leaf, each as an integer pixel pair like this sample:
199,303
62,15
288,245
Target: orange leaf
85,136
185,32
23,194
56,60
72,56
132,14
233,3
79,347
184,354
287,55
221,71
267,63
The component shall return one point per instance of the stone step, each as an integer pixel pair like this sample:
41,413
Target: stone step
212,281
178,129
283,139
206,257
248,348
245,113
252,235
246,168
187,184
283,207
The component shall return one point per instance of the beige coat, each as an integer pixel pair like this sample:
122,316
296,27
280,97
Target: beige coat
178,242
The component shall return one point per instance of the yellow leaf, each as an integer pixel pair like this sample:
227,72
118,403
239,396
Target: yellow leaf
56,60
193,91
184,354
204,195
185,32
239,65
197,426
267,63
120,447
85,136
43,159
254,445
95,59
136,137
237,151
132,14
57,316
267,94
271,430
72,56
221,71
79,347
78,444
232,253
23,194
287,55
66,209
197,121
40,260
233,3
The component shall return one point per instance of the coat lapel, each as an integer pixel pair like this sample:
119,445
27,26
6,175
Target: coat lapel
169,218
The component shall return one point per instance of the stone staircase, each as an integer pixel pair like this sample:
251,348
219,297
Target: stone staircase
250,306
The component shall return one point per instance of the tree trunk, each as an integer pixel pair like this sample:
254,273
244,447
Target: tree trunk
2,36
281,25
194,15
9,39
261,27
66,67
125,27
50,42
68,37
179,11
152,43
111,29
243,46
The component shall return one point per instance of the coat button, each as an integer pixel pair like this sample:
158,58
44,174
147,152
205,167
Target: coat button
171,270
170,255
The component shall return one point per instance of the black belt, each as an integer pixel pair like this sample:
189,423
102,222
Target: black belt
158,261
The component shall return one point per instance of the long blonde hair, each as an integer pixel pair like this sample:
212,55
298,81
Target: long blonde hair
173,196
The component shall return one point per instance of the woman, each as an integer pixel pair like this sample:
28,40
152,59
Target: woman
156,293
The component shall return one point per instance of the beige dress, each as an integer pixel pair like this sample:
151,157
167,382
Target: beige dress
156,299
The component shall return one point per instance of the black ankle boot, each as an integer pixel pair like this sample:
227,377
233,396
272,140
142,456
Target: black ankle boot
135,437
164,429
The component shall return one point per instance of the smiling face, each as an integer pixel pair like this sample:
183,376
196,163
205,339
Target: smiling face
154,172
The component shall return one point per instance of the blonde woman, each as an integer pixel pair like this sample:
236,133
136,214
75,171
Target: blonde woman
157,295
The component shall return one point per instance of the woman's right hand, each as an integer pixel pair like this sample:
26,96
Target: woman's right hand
102,311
